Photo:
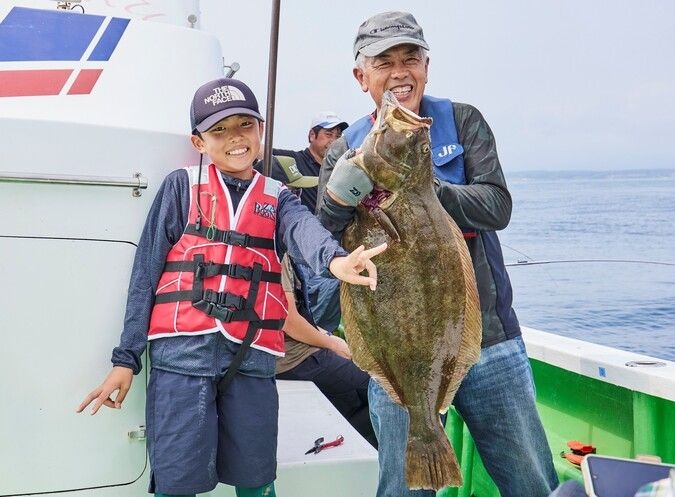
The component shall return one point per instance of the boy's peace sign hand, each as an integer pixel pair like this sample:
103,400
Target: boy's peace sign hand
349,268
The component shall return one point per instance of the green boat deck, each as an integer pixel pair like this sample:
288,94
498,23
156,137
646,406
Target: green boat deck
616,420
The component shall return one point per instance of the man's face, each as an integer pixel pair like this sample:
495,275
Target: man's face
320,141
402,69
232,144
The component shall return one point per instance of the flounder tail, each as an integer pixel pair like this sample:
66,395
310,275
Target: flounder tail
431,465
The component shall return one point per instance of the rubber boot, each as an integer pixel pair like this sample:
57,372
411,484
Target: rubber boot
264,491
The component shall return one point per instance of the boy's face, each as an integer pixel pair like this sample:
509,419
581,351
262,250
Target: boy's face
232,144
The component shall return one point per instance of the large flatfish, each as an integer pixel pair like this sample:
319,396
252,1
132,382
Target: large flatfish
420,331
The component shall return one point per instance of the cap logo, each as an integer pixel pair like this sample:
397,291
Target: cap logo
293,169
224,94
393,26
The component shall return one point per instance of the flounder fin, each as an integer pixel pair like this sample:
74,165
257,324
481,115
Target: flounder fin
360,353
386,224
469,347
365,360
431,464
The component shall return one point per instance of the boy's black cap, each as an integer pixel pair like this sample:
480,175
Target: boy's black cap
221,98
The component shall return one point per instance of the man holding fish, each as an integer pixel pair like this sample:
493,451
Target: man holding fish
496,397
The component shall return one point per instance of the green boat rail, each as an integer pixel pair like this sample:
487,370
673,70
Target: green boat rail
621,403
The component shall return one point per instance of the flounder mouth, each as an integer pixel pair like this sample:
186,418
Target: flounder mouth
398,117
389,200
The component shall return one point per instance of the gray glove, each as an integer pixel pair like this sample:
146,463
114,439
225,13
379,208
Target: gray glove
349,183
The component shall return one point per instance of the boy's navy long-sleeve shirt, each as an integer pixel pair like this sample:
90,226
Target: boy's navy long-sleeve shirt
298,233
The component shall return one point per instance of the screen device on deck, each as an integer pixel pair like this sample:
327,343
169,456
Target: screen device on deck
618,477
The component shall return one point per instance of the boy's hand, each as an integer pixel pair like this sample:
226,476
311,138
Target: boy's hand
118,379
349,268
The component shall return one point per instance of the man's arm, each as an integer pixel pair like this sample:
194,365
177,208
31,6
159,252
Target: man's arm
334,216
301,330
484,203
297,327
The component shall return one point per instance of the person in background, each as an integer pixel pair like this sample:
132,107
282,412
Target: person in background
496,399
312,352
316,355
213,238
325,128
299,171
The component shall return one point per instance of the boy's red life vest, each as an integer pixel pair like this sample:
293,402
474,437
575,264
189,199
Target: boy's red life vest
223,274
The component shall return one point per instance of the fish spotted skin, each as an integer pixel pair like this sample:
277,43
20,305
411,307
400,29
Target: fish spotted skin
420,331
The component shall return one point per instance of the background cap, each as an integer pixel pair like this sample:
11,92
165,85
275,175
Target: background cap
219,99
328,120
295,178
386,30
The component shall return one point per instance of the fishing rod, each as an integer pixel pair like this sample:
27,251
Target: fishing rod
271,87
565,261
530,261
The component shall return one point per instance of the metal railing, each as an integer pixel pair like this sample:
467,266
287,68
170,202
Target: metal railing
138,182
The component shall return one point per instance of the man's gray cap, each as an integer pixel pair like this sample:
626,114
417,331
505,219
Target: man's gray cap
386,30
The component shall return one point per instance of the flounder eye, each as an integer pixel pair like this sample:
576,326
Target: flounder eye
425,148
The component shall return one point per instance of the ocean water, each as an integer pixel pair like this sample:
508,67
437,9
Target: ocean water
591,255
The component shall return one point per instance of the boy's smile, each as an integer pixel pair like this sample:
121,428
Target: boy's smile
232,144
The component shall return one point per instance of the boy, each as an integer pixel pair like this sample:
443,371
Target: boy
205,291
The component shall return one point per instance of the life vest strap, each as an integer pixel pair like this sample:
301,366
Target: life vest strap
256,323
209,296
226,316
223,306
203,270
230,237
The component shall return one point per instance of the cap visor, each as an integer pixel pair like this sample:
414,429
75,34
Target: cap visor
304,182
381,45
333,124
219,116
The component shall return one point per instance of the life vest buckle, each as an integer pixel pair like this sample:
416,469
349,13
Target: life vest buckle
238,271
214,310
208,307
235,238
230,300
200,269
223,314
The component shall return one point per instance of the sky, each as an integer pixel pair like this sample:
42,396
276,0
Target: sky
564,85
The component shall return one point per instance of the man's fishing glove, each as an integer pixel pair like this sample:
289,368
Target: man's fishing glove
348,182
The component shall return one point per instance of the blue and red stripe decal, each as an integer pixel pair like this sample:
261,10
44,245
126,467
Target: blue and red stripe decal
32,35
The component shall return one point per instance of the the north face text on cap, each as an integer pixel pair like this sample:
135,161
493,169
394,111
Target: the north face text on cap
224,94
